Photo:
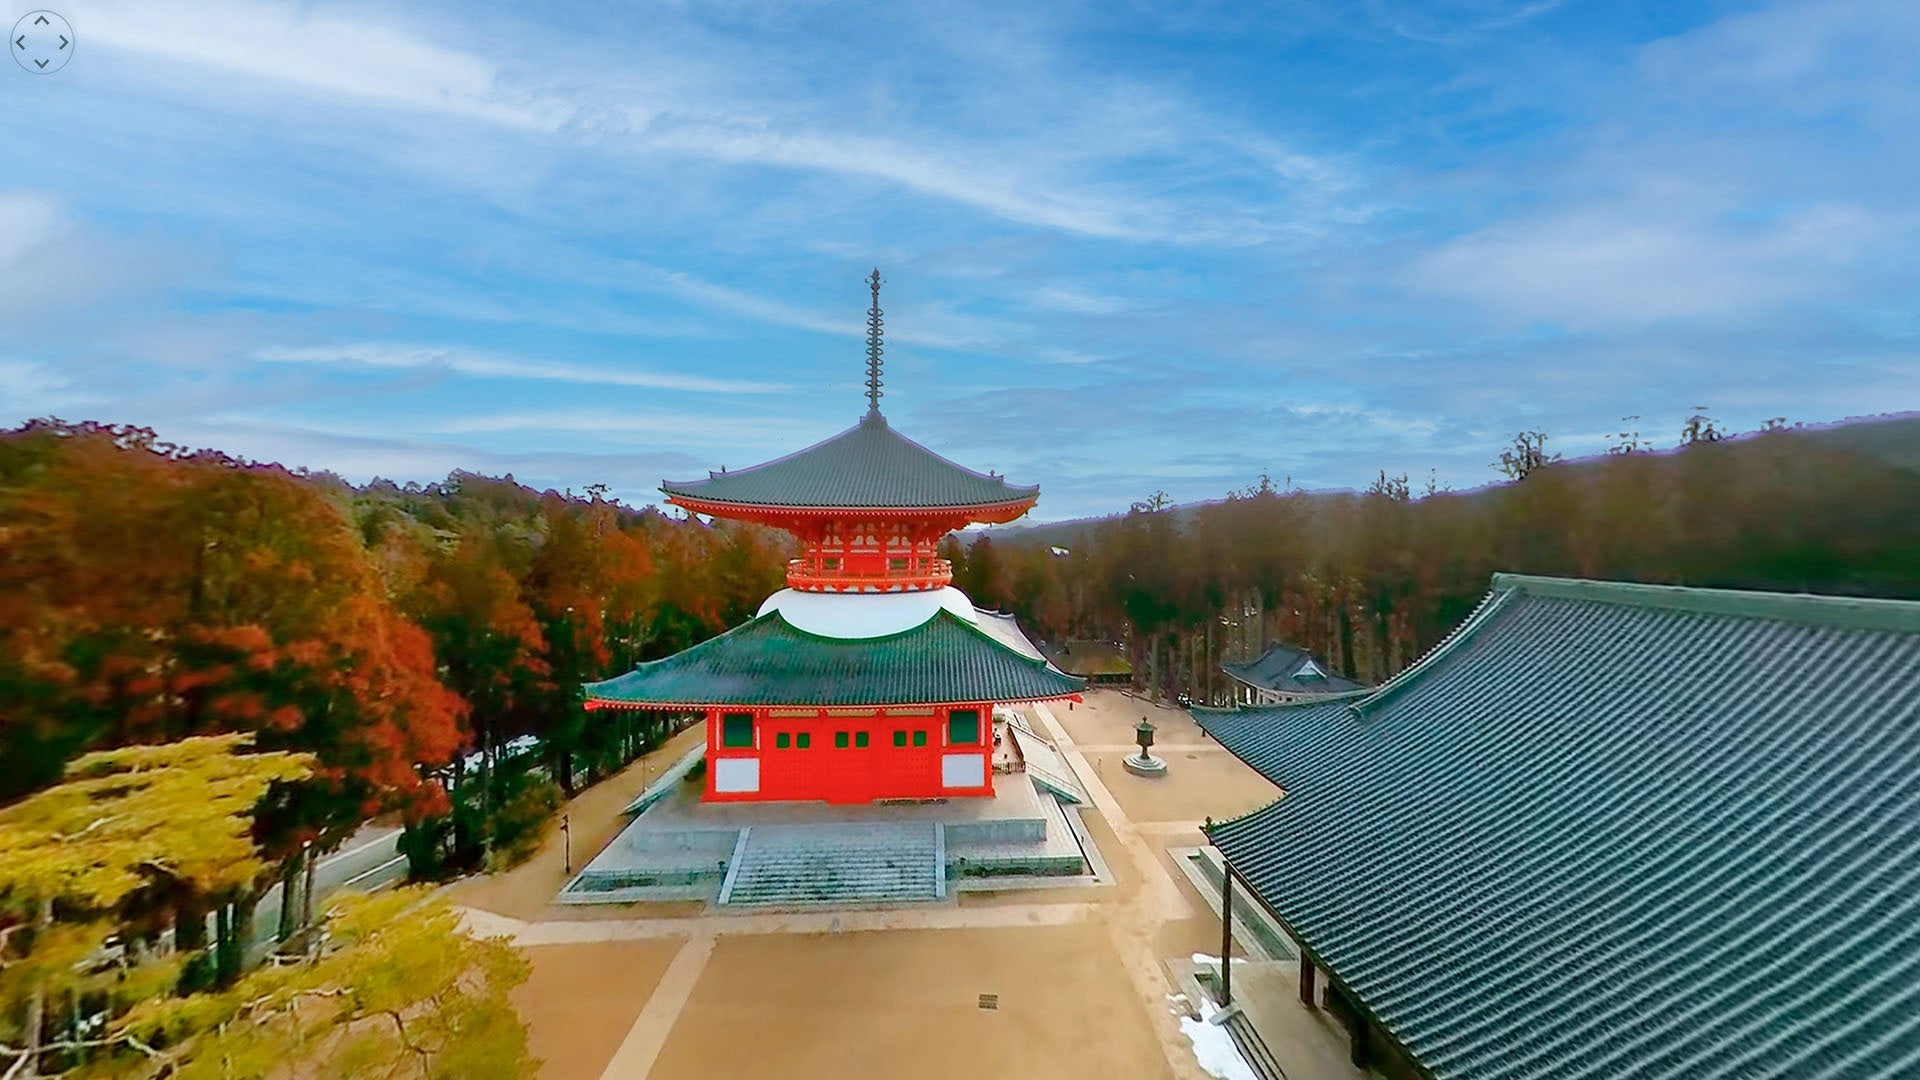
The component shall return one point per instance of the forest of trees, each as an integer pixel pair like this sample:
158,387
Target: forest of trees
212,670
1371,580
395,639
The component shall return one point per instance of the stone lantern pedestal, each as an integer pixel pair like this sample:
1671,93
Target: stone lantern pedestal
1144,763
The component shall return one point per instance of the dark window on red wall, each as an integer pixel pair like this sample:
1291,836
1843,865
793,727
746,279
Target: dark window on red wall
781,741
899,738
840,740
919,738
736,730
803,740
963,727
860,739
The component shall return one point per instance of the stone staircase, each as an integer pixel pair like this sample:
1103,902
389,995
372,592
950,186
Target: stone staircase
849,863
1045,763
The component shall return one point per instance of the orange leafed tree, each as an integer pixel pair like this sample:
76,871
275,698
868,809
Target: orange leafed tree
150,594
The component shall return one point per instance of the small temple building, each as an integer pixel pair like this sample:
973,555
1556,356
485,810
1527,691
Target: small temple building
1283,674
869,677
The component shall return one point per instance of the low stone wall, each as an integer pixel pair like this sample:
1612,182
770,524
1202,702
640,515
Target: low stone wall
1017,866
997,831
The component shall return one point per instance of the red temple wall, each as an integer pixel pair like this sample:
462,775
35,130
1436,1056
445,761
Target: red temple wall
781,768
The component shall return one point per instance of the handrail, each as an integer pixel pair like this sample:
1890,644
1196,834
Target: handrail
930,574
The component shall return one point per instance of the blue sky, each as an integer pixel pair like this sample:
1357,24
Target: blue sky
1128,246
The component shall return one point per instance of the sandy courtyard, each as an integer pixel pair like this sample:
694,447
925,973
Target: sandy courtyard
1198,784
581,999
907,1004
1107,718
678,992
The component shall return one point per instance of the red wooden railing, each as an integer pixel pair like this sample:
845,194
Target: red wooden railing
920,574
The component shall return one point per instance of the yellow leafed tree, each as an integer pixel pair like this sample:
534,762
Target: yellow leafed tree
397,989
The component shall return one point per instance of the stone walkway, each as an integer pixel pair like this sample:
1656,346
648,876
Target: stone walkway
1134,923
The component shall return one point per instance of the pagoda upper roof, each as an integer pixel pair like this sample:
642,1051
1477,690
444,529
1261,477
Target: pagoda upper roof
867,466
770,662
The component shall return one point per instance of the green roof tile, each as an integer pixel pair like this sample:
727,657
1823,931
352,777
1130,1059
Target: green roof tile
770,662
868,465
1614,830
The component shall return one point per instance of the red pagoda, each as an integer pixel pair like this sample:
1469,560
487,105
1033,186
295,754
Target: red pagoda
869,676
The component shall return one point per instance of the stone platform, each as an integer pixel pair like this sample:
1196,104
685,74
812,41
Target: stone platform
813,853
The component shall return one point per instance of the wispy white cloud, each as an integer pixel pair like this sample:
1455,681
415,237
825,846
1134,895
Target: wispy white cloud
34,389
1633,263
679,428
362,456
991,187
1075,357
1804,57
1055,170
1455,22
27,221
1080,301
361,56
53,263
465,361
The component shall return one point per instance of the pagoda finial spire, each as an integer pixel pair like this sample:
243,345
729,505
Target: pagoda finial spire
873,348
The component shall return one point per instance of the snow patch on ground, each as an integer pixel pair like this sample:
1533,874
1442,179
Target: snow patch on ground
1214,961
1213,1047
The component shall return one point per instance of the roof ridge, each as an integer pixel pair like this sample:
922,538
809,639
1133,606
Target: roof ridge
809,448
1492,602
985,635
1861,613
917,445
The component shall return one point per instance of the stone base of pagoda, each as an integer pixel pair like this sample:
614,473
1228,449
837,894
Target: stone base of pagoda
1144,766
731,855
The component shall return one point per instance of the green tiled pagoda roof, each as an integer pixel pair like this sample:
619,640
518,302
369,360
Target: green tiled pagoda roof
770,662
1613,830
869,465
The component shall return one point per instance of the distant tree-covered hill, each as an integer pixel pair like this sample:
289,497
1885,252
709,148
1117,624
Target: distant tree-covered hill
1372,579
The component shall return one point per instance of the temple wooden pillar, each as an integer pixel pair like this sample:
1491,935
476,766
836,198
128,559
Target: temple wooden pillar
1226,935
1307,995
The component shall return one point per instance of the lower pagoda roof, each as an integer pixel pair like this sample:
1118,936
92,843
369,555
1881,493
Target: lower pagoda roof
770,662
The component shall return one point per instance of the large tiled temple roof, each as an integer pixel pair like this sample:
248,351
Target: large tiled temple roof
769,662
869,465
1613,830
1281,668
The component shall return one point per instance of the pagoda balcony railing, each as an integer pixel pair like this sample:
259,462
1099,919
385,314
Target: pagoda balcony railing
923,574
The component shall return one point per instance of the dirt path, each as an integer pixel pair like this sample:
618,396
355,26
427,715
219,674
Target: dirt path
1134,921
641,1047
527,891
576,1016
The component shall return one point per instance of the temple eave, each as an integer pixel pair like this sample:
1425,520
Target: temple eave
989,513
595,704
